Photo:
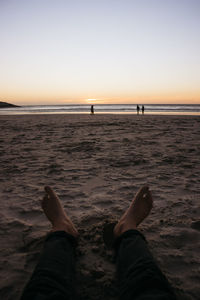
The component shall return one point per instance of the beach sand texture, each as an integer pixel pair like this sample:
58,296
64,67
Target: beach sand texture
96,164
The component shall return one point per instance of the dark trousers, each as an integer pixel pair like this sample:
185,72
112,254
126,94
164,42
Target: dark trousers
139,276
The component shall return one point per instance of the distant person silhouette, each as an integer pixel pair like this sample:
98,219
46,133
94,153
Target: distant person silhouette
138,109
143,109
92,109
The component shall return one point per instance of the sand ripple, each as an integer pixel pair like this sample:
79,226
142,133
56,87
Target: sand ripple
96,165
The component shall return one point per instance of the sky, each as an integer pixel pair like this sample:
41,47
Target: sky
91,51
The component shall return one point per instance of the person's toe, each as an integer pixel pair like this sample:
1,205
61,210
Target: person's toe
50,192
149,198
142,191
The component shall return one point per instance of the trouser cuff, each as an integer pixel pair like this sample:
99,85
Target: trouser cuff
127,234
62,234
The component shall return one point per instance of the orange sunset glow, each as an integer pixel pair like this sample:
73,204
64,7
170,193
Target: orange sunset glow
91,54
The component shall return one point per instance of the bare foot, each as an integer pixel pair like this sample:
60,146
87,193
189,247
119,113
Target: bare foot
136,213
54,211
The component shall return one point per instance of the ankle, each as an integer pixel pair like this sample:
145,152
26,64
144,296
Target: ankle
122,227
64,227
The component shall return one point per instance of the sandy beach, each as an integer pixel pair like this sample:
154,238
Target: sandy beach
96,164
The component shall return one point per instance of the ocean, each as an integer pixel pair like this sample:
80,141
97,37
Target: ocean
177,109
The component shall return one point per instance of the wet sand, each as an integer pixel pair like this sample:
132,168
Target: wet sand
96,164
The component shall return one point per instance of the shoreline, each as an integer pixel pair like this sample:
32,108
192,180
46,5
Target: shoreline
159,113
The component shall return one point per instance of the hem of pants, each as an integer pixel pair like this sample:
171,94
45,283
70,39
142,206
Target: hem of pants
127,234
62,234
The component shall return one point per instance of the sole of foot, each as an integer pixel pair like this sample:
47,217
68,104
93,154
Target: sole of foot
136,213
55,213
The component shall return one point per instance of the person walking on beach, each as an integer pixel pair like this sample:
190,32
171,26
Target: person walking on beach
142,109
138,274
138,109
92,109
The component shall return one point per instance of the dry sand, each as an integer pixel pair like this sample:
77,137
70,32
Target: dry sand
96,164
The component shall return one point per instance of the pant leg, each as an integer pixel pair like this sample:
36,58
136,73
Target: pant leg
139,276
53,277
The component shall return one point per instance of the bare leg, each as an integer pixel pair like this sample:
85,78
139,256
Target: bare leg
55,213
138,273
136,213
54,275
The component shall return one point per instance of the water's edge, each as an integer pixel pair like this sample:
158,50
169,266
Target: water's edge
166,109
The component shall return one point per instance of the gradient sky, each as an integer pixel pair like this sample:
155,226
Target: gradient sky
114,51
